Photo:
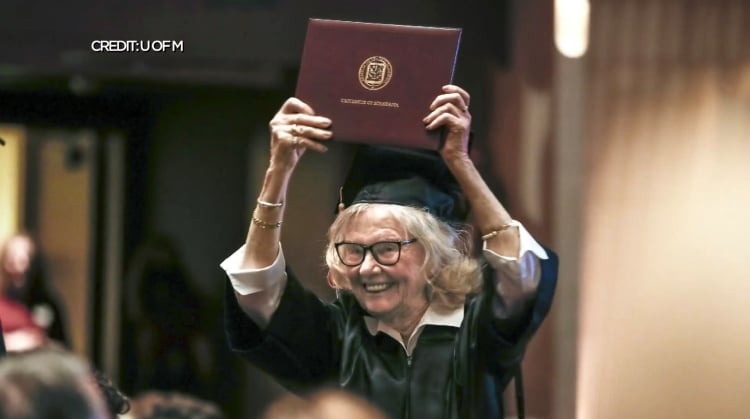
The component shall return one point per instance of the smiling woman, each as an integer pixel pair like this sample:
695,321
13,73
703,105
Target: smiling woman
418,328
441,270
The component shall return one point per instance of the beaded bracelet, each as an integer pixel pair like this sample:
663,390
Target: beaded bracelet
264,225
494,233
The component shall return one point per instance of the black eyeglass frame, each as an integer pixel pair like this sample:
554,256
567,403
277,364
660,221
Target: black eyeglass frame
366,248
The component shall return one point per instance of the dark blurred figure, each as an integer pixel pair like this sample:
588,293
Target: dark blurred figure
173,405
166,346
46,384
330,403
2,340
24,280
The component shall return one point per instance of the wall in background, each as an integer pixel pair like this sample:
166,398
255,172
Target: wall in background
664,331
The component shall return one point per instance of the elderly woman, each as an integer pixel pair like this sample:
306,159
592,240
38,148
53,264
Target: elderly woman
422,328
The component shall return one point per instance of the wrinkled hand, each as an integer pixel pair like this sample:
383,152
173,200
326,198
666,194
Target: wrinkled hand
294,129
451,110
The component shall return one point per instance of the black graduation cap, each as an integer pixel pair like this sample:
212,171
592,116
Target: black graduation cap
417,178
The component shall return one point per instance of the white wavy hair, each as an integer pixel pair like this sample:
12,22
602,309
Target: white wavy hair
449,270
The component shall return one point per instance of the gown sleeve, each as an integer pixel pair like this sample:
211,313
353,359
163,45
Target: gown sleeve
508,331
301,344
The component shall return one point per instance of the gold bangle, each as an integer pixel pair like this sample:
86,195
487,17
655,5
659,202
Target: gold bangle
494,233
266,204
264,225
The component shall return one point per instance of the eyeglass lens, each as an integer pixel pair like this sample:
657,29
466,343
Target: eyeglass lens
385,253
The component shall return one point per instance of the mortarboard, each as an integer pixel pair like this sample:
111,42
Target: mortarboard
417,178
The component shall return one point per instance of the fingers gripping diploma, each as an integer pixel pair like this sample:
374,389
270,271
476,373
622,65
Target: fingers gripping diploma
294,129
451,110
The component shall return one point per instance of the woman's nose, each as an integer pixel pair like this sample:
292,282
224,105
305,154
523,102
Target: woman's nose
369,264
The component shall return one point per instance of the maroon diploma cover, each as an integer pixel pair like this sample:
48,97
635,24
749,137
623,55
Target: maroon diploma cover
376,81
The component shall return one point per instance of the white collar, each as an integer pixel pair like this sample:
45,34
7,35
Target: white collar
435,316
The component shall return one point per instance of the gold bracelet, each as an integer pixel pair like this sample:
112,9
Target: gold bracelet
494,233
265,204
264,225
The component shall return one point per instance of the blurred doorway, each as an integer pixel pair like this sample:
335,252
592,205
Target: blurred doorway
64,186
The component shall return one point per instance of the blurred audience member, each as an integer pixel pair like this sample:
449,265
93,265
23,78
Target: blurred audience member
323,404
24,280
172,405
48,383
166,348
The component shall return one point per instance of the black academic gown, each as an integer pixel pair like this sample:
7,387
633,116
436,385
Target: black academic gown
452,373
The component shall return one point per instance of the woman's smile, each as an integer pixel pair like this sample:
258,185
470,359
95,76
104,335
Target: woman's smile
377,287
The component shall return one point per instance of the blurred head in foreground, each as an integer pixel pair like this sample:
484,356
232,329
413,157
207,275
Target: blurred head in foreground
172,405
47,384
323,404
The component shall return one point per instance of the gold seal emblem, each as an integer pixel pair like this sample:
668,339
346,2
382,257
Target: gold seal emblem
375,73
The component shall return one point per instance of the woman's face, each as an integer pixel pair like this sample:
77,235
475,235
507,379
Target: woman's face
19,251
395,292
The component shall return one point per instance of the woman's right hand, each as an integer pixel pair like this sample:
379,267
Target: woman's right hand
294,129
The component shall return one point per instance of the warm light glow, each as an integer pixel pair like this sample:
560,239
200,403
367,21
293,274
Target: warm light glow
572,27
11,179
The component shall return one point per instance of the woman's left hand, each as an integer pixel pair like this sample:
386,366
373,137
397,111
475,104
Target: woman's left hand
451,110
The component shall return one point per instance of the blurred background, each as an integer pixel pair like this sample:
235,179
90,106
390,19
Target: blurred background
617,131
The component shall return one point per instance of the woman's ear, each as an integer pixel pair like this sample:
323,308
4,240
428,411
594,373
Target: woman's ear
331,281
338,282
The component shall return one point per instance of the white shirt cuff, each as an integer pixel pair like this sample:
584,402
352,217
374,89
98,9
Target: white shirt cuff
527,244
517,276
249,281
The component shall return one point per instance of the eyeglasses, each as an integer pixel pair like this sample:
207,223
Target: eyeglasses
385,253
